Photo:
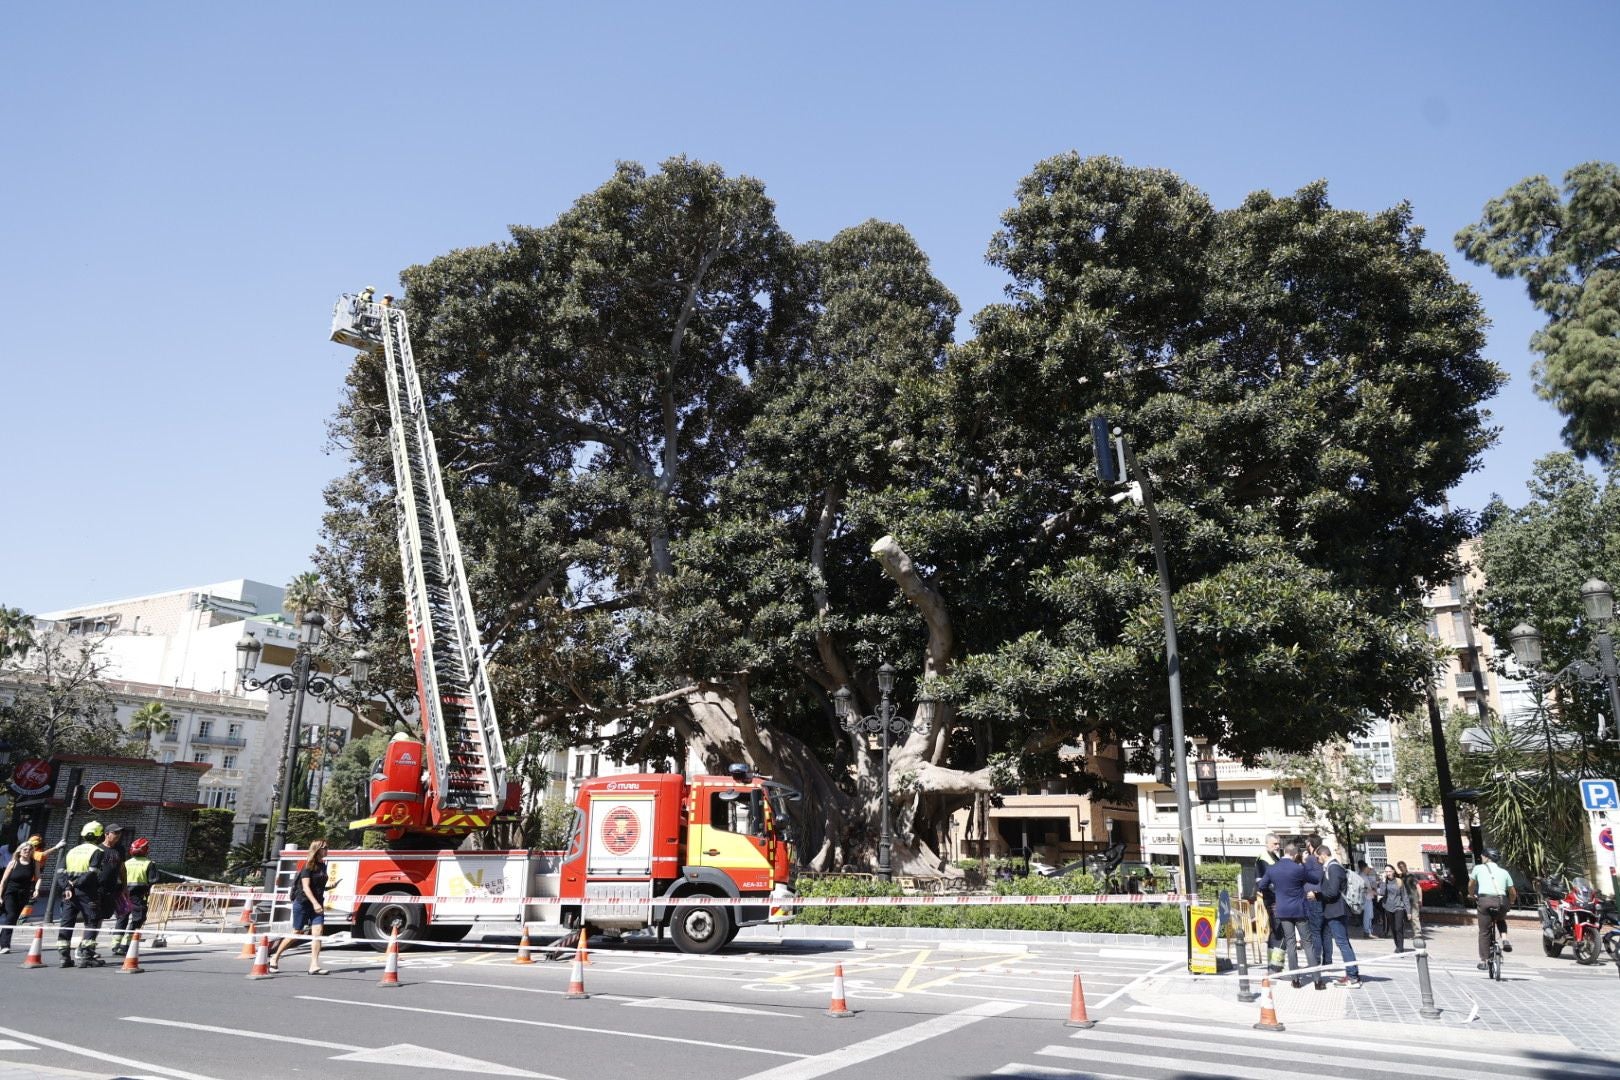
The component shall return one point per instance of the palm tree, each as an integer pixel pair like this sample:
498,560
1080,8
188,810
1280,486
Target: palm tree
16,633
305,593
149,720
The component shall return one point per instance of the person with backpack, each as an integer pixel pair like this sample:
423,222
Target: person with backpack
1335,913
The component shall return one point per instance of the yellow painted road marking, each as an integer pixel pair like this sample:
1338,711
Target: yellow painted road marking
912,968
971,969
824,970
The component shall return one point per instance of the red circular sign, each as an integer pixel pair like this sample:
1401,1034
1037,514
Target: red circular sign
1203,932
620,830
31,777
104,795
1606,838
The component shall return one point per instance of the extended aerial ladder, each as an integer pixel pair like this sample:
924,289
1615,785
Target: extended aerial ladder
466,765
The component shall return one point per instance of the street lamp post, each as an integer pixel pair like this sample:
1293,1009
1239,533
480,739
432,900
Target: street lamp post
300,682
886,721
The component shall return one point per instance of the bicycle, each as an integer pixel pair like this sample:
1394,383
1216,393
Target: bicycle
1493,961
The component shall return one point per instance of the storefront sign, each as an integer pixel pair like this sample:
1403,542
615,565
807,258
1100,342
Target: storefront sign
31,778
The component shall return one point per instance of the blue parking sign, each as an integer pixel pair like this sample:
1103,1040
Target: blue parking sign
1600,795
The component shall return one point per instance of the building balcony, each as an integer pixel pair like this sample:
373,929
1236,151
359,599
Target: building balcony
218,740
1465,680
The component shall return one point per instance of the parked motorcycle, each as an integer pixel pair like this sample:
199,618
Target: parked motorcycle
1569,917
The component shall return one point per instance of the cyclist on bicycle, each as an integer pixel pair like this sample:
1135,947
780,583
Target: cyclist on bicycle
1492,886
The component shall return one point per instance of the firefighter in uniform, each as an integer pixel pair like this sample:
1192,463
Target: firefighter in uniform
137,885
94,875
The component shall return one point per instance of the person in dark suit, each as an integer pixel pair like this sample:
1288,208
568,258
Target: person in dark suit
1335,914
1288,879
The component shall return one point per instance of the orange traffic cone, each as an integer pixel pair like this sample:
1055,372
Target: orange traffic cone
247,913
523,956
261,960
132,957
36,951
247,946
1268,1009
838,1008
1077,1007
391,964
576,977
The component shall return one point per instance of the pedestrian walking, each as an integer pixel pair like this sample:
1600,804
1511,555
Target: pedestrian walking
19,885
1335,915
1288,879
94,878
1493,890
1392,895
137,889
1313,906
308,908
1414,899
1369,906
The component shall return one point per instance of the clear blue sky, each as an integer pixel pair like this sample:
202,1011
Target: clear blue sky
188,187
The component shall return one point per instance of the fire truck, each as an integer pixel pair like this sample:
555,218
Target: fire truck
639,844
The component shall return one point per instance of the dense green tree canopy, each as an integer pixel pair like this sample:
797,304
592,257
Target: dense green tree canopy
1566,246
705,475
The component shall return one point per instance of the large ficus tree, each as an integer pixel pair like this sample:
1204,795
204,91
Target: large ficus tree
1565,244
706,476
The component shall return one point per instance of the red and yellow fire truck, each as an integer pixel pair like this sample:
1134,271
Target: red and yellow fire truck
640,845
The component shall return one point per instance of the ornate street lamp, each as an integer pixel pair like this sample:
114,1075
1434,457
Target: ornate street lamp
300,682
1597,598
883,723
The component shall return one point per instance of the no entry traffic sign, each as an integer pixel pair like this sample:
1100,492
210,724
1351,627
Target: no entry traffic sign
104,795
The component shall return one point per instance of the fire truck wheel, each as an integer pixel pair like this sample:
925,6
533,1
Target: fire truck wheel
384,916
700,930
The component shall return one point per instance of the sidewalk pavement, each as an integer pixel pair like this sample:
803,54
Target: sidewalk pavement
1541,1003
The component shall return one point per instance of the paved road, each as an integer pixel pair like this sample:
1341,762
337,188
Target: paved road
940,1009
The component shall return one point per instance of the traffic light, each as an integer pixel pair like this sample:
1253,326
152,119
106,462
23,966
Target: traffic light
1209,789
1164,758
1107,470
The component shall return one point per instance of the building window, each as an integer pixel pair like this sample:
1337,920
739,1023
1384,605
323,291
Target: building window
1375,851
221,798
200,757
228,762
236,731
168,757
1386,806
1426,815
205,728
1434,627
1294,802
1164,804
1237,801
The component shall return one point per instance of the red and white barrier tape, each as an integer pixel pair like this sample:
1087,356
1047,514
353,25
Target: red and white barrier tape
956,900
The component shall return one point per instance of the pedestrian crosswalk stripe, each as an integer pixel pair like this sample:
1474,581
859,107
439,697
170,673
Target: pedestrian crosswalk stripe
1047,1072
1206,1059
1361,1046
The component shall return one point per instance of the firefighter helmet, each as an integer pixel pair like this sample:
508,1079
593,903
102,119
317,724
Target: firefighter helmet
140,847
91,830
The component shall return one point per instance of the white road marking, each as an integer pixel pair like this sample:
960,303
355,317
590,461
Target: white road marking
523,989
9,1044
1137,954
867,1049
1047,1072
1368,1045
705,1006
144,1066
1203,1059
1117,994
614,1032
398,1054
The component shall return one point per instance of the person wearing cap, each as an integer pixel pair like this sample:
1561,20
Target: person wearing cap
137,887
1492,887
94,875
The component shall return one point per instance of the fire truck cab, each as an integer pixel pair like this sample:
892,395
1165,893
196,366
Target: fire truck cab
661,839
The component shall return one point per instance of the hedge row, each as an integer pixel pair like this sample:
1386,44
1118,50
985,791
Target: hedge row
1145,918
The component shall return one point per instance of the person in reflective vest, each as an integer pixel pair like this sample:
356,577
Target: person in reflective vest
137,887
94,874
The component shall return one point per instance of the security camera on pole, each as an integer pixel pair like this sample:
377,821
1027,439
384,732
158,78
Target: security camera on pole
1126,475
